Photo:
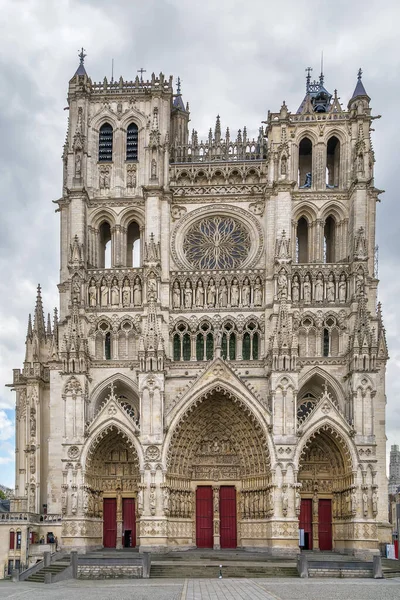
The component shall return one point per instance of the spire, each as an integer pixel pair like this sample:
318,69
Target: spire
359,89
38,317
48,329
81,69
178,102
29,331
217,132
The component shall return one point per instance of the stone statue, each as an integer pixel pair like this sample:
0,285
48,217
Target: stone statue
211,293
374,502
342,288
319,288
315,504
223,294
359,283
282,284
152,500
151,287
140,501
176,295
200,294
285,502
297,502
137,292
126,292
153,169
365,504
295,289
258,292
78,165
104,292
74,503
92,290
353,500
283,165
166,500
33,422
235,292
188,294
307,288
114,292
330,289
246,292
131,178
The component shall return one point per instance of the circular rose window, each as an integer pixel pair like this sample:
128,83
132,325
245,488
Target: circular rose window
217,242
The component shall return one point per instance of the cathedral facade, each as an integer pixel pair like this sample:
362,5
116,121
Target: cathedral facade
216,375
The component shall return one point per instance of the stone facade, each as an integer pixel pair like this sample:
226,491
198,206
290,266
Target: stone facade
394,470
218,330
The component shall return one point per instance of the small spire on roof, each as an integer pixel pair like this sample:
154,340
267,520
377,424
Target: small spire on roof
359,89
359,74
178,85
308,78
81,69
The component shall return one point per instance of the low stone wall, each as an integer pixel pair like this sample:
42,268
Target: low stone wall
110,572
345,573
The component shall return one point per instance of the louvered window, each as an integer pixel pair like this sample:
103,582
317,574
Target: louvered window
132,142
105,143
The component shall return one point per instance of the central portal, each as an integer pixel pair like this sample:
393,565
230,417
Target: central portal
227,511
216,516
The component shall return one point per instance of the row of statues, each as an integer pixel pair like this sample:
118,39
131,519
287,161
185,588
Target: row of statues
223,295
256,504
319,290
115,294
180,504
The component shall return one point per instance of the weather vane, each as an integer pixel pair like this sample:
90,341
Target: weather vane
82,55
178,86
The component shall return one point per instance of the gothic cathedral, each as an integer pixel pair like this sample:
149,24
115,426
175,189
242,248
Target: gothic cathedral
216,375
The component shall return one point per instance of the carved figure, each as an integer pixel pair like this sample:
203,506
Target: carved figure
126,292
283,165
365,504
74,503
342,288
295,289
188,294
307,288
307,182
151,287
246,292
211,293
223,294
330,289
359,283
282,284
285,502
319,288
131,178
374,502
258,293
176,295
104,292
153,169
78,165
200,294
137,292
166,500
297,502
92,290
353,500
114,292
235,292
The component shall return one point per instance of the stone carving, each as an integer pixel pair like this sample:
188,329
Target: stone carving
104,292
73,452
104,178
330,289
258,293
137,292
152,499
126,293
188,295
115,292
200,294
176,295
319,288
295,289
282,284
131,176
342,288
307,289
152,453
223,293
235,293
211,294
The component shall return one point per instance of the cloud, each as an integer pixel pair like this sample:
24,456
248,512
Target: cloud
234,59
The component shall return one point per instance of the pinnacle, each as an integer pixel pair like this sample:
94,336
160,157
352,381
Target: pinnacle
38,318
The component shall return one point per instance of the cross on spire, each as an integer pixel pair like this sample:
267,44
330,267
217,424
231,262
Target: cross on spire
178,85
82,56
359,75
141,71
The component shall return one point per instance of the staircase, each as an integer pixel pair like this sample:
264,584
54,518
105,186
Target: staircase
202,564
55,568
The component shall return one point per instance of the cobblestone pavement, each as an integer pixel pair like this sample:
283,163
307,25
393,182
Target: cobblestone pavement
206,589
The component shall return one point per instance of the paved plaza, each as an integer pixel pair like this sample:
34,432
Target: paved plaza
207,589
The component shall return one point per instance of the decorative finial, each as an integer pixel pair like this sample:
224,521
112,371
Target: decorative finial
321,77
359,75
82,56
141,71
308,79
178,86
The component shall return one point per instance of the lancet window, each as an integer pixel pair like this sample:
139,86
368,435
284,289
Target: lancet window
181,342
133,245
106,143
330,337
228,341
132,142
205,342
332,162
329,240
251,342
305,163
302,241
105,244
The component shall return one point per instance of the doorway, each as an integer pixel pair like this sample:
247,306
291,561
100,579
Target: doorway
305,522
129,523
227,512
204,517
325,524
109,522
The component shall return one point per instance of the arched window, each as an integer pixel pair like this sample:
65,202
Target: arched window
251,342
19,540
12,540
332,162
302,241
329,240
181,343
307,338
205,342
105,246
105,143
133,245
330,340
305,163
228,342
132,142
107,346
326,342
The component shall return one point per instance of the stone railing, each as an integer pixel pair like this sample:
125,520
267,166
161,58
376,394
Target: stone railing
155,84
30,517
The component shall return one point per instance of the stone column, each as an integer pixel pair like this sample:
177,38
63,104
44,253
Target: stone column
119,519
216,518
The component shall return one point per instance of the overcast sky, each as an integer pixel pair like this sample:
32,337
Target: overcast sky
235,58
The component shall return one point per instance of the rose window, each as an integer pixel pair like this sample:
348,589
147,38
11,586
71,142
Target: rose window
217,243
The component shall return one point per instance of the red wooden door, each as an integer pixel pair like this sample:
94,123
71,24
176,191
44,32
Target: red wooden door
227,512
204,517
109,522
305,522
325,525
129,523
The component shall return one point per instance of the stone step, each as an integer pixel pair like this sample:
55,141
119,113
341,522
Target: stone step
212,571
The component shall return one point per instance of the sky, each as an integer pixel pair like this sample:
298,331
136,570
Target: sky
237,59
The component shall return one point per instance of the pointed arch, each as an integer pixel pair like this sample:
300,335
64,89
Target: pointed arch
318,372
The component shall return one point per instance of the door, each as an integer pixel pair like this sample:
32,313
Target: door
204,517
227,512
325,525
109,522
305,522
129,523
